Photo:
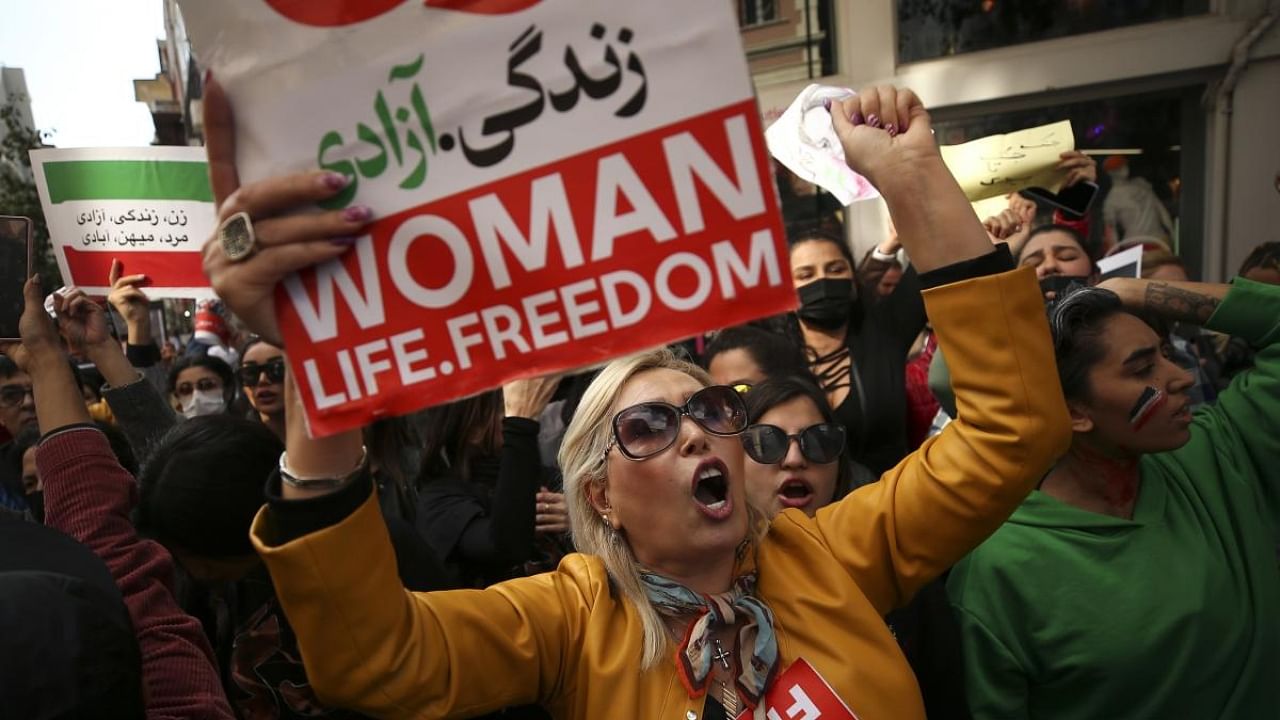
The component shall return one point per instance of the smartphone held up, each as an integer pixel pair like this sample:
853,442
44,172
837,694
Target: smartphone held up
15,268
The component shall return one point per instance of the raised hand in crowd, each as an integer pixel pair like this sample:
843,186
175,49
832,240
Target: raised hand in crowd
132,304
87,328
1013,225
887,138
89,496
1079,167
285,242
529,397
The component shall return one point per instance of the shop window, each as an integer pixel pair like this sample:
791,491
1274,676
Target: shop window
938,28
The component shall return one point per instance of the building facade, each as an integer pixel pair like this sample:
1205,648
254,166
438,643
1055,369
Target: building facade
1183,94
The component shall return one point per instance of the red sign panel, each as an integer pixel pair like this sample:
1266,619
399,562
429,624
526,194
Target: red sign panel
631,245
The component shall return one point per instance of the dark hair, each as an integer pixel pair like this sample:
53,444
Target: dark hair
203,484
120,446
456,433
817,233
392,445
773,352
8,368
30,437
778,390
217,365
1065,229
1265,256
1076,319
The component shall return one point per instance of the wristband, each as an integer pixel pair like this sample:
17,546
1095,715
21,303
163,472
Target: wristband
883,257
288,477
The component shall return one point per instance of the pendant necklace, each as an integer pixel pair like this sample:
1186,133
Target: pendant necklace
728,697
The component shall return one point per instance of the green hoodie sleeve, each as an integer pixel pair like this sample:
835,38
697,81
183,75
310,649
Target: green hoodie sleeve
994,681
1247,414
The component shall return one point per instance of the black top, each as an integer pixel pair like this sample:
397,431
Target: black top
874,412
482,526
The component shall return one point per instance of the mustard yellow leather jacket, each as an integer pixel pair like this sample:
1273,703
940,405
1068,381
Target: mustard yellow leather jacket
564,640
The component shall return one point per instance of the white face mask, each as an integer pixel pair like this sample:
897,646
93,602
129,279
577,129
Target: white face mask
204,402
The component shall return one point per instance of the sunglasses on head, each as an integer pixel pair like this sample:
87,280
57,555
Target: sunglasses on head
250,372
768,444
647,429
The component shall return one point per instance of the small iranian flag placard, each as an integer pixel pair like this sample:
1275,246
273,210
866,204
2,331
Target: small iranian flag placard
151,208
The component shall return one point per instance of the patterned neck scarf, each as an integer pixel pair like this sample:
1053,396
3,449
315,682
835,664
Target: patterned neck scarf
757,652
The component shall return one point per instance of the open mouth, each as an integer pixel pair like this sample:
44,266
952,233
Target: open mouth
795,493
711,489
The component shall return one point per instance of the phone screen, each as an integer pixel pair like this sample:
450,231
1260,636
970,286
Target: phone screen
15,266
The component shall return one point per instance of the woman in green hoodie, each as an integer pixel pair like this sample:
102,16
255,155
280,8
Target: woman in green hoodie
1140,580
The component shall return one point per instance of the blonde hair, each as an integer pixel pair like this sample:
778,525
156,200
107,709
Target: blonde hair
583,461
1156,258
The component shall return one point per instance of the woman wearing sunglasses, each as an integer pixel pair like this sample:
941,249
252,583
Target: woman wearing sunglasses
682,602
261,375
794,446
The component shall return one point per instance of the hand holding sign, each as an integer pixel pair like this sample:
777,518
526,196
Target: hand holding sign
82,321
285,243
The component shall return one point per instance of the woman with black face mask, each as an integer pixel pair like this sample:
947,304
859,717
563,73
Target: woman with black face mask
857,348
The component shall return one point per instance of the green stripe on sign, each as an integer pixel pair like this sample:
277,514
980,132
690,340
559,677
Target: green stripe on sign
127,180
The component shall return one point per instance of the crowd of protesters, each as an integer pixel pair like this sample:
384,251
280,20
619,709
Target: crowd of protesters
967,478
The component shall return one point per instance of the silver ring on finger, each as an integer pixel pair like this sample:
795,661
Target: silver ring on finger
237,237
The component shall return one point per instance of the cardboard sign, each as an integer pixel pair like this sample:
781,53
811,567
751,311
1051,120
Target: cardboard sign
1001,164
150,207
800,693
555,183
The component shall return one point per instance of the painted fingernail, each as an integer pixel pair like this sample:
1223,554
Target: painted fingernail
335,181
357,213
208,75
873,120
826,103
891,129
344,240
857,119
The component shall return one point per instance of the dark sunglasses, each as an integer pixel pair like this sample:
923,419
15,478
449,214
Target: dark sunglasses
274,368
768,444
13,395
647,429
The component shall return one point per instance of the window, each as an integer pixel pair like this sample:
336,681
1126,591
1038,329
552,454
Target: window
937,28
756,12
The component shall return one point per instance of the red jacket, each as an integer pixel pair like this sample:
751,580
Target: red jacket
88,496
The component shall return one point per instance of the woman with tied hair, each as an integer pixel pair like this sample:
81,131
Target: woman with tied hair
1139,580
683,602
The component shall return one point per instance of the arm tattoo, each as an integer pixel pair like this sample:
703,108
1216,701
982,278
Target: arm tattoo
1174,303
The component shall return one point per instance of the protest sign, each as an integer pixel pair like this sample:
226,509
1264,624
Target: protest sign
150,207
556,183
1126,263
1001,164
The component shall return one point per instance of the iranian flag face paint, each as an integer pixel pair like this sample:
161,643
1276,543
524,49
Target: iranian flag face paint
1148,403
